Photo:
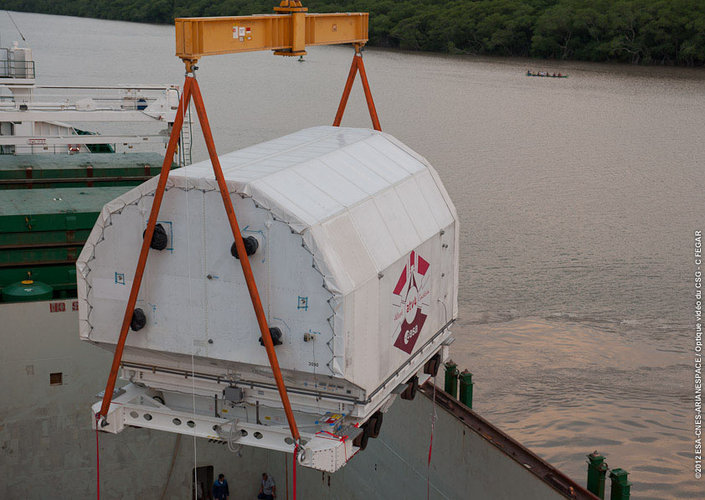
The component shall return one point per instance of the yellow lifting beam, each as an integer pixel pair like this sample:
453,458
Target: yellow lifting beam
287,33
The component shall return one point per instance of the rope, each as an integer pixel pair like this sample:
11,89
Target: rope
232,442
188,267
97,457
434,415
193,397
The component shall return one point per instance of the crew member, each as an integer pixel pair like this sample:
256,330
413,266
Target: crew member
267,490
220,488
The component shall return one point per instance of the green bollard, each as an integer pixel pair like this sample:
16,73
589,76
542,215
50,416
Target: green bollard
621,487
597,469
452,379
466,388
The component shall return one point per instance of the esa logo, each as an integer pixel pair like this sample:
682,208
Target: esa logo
410,302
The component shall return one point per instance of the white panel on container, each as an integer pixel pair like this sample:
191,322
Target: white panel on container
392,151
388,169
327,261
435,200
397,220
449,291
305,200
355,172
333,183
416,207
374,234
350,255
365,336
298,303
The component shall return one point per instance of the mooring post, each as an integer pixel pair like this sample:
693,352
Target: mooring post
597,469
621,487
466,385
451,385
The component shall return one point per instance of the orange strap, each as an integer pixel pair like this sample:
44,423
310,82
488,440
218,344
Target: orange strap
149,232
192,90
244,261
357,65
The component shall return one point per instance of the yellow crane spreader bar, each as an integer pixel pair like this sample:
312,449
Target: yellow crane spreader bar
287,33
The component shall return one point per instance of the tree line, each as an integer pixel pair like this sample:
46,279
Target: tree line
633,31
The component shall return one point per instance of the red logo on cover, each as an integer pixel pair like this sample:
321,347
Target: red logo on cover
411,302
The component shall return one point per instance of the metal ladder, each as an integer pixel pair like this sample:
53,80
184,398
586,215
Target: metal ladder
184,155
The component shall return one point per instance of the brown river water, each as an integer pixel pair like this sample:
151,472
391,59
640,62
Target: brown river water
578,200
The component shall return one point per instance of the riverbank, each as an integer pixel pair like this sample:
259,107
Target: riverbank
630,31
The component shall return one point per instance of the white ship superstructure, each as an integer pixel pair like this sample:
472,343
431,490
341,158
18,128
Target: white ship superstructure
54,119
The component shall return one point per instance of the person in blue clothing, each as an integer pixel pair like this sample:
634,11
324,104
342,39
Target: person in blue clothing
220,488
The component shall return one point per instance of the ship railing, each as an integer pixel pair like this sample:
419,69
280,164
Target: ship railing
13,68
128,118
98,98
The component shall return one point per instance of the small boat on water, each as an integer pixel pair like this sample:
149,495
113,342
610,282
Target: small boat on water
546,74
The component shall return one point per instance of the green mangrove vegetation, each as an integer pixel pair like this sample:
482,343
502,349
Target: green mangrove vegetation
633,31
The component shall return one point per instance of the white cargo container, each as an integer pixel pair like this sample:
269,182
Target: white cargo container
356,264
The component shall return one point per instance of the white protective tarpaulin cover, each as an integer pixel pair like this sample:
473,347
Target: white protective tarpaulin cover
357,260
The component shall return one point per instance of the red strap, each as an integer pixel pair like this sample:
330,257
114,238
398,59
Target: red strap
286,469
326,434
428,466
430,444
97,456
296,452
430,447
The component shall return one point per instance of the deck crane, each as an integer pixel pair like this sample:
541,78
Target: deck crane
286,33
